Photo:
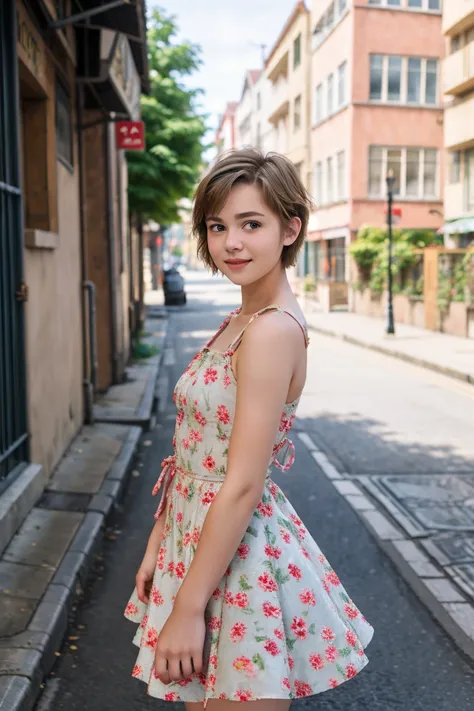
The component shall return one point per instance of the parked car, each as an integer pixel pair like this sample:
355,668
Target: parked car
173,288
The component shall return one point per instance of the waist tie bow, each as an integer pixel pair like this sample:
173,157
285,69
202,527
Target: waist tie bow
289,454
168,471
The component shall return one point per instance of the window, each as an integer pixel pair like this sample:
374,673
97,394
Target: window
297,113
455,44
318,183
396,3
454,166
415,171
410,80
63,126
341,175
330,181
415,3
433,5
341,84
297,52
342,6
319,103
469,180
330,100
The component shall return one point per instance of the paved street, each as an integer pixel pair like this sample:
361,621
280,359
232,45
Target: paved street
371,415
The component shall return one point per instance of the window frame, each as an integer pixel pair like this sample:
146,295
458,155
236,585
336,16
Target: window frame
341,175
318,183
61,89
330,94
404,74
297,106
319,103
329,180
454,167
402,193
297,56
342,75
404,5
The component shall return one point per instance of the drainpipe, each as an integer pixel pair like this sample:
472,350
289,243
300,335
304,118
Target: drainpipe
88,387
112,252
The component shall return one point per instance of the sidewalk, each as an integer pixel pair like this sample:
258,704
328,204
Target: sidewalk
51,531
449,355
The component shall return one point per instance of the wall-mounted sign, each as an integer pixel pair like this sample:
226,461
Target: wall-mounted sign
125,77
30,46
130,135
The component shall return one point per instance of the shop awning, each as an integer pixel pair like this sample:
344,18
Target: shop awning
459,226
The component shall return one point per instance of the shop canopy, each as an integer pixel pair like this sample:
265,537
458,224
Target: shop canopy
459,226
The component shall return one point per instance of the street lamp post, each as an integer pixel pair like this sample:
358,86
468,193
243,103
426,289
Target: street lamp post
390,184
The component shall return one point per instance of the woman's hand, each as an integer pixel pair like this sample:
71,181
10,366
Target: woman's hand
144,577
179,651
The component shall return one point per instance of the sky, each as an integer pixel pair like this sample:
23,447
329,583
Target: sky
229,34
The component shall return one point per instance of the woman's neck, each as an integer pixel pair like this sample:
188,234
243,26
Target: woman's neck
273,288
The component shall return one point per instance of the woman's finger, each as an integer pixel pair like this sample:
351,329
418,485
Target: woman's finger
197,662
174,669
186,666
161,668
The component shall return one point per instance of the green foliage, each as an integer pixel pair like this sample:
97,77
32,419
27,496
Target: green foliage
310,284
168,169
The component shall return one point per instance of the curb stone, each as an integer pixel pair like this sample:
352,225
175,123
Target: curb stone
428,365
441,596
28,657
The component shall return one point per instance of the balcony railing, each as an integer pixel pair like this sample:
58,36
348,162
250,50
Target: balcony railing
459,71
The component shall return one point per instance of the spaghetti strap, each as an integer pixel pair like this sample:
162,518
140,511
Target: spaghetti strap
272,307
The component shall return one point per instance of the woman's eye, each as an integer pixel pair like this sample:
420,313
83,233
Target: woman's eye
216,228
253,225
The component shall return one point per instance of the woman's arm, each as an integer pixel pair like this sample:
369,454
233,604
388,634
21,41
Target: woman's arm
266,362
146,571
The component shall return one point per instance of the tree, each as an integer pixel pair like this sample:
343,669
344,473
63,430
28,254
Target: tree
169,167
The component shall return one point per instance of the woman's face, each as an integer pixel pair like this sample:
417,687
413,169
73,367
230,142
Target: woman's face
246,238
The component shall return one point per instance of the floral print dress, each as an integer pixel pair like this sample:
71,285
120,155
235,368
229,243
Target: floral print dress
279,624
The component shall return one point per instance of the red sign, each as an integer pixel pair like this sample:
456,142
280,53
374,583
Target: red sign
130,135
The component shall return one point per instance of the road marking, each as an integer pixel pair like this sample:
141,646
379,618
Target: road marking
328,468
169,356
307,441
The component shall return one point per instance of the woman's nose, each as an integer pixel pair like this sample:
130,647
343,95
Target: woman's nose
234,239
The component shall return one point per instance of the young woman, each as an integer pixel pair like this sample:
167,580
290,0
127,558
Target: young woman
235,600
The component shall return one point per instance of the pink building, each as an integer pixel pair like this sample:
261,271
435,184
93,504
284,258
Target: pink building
376,106
225,135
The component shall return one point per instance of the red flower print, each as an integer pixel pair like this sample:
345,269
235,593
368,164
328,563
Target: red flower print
295,571
208,497
304,552
327,634
265,509
199,417
171,696
291,662
227,381
179,418
216,594
186,539
350,671
333,683
272,647
333,579
299,627
301,535
272,551
156,596
243,550
321,558
171,567
179,517
351,611
173,442
241,695
302,689
208,463
213,661
267,582
278,632
228,571
296,520
211,682
195,436
215,623
137,670
223,697
223,414
326,585
244,664
241,600
210,375
285,535
185,492
286,683
270,610
228,598
316,661
184,682
238,632
331,653
131,609
144,622
195,536
185,443
351,638
307,597
151,637
179,570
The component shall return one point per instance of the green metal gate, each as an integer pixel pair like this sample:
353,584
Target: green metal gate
13,421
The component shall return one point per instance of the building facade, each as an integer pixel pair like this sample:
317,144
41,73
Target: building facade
458,74
50,219
247,133
226,130
376,106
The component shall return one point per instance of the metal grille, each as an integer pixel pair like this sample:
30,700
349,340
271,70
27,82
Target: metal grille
13,428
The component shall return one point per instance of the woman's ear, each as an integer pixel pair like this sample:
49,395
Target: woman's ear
291,231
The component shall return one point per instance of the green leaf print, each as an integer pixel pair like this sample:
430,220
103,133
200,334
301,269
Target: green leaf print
268,564
345,652
344,597
266,498
252,531
192,491
312,628
257,659
281,577
280,498
225,452
220,432
261,639
288,525
248,611
243,583
305,613
270,536
341,670
290,643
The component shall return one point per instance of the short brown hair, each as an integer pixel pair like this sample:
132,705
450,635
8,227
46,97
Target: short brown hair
275,175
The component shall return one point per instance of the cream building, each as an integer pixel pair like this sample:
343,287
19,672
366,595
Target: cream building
458,29
287,71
